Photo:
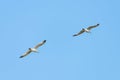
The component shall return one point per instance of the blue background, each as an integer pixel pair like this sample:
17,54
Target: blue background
94,56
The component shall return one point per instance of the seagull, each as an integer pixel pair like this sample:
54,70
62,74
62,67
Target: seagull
86,29
33,49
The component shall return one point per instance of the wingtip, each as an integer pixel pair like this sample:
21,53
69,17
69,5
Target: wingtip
98,24
45,40
21,56
74,35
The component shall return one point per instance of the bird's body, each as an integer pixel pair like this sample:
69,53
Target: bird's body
86,30
33,49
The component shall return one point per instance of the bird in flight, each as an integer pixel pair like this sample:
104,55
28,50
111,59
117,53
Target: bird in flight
86,29
33,49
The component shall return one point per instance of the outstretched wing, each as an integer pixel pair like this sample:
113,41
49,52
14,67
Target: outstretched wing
90,27
28,52
40,44
82,31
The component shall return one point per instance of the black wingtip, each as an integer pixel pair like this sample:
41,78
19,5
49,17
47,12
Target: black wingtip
21,56
74,35
45,40
98,24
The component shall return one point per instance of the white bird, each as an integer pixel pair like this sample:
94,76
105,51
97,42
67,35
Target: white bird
86,30
33,49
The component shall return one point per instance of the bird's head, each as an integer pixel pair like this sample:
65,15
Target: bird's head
83,29
29,48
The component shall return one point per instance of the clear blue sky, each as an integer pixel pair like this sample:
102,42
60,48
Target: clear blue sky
94,56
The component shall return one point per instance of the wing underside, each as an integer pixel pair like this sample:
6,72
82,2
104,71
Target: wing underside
82,31
40,44
25,54
90,27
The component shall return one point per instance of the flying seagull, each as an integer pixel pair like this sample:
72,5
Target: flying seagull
86,29
33,49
